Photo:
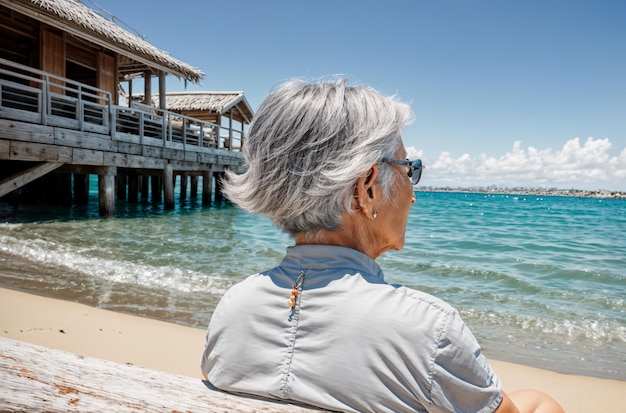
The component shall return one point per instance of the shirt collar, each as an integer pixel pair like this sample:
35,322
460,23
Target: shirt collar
323,257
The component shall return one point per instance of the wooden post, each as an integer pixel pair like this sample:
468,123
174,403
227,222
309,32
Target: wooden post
230,130
156,188
130,91
207,187
162,102
106,191
242,133
133,184
219,197
145,187
147,88
121,186
168,187
183,187
81,189
193,191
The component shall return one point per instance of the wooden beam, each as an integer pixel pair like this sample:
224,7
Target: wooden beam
37,152
20,179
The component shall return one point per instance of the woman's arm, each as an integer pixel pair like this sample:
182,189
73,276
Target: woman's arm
528,401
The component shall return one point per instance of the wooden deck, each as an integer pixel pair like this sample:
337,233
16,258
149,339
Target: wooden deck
53,123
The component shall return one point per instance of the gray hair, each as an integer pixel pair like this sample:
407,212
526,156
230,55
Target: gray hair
308,145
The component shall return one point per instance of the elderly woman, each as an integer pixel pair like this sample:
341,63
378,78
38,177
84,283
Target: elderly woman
326,163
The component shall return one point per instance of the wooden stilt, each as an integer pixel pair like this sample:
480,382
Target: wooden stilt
207,187
168,187
219,196
193,191
184,179
106,191
121,186
156,188
145,187
133,183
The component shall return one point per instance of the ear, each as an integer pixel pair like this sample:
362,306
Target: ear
365,194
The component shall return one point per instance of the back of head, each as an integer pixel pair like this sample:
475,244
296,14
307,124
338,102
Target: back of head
306,148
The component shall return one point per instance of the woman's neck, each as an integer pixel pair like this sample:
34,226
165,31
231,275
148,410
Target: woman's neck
353,234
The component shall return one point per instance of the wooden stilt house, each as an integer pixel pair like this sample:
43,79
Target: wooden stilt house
228,110
62,66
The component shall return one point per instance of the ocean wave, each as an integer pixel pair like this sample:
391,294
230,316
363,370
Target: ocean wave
86,261
598,331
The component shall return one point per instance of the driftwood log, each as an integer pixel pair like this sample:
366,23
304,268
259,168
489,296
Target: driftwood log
38,379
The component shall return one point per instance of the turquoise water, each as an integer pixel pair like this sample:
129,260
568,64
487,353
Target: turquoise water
539,280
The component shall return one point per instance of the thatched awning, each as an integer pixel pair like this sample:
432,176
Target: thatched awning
135,53
208,102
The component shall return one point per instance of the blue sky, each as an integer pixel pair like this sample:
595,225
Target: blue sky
511,93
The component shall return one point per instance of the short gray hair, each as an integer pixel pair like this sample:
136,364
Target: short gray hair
308,145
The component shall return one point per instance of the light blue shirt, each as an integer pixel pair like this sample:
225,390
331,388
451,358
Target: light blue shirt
352,342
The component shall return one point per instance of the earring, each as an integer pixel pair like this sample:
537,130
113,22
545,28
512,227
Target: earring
374,215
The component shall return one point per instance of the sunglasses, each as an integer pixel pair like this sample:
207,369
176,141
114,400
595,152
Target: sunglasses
414,168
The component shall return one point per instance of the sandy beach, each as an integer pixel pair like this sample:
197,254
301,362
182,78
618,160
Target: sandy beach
173,348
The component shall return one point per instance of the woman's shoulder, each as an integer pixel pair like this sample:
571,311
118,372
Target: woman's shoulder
423,299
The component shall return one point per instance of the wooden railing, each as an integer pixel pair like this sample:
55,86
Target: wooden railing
32,95
172,127
40,97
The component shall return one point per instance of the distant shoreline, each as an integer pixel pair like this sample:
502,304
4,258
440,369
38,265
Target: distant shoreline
578,193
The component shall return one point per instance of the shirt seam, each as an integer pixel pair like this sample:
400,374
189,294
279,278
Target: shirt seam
428,300
292,342
431,372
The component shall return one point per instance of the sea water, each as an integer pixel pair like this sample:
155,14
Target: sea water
540,280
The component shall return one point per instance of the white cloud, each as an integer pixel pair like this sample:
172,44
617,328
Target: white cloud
582,166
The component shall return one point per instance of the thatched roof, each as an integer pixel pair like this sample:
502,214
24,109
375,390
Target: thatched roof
135,53
211,102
